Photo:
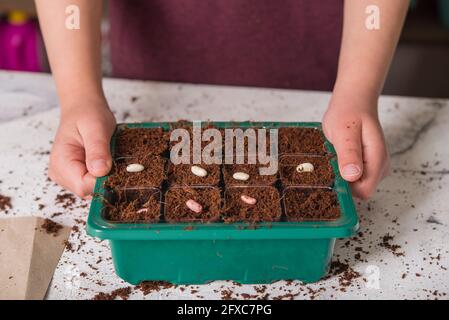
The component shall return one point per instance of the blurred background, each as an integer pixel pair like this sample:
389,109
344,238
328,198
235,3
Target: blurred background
420,66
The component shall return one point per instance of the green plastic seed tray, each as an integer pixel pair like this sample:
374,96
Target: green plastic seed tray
195,253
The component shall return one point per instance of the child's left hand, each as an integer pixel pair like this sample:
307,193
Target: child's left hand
354,130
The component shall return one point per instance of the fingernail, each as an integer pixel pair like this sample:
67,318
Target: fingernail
351,170
98,164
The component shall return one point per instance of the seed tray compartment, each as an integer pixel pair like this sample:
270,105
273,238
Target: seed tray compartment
197,253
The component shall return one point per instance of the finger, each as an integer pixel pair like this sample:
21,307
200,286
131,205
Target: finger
81,182
96,140
375,162
348,145
67,168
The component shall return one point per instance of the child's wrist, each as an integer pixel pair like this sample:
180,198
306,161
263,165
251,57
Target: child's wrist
354,98
80,102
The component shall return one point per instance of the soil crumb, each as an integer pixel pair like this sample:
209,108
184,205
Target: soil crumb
51,227
66,200
386,243
148,287
5,203
122,293
345,273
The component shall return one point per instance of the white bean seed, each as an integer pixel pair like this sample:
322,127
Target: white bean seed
305,167
240,176
135,167
143,210
198,171
248,199
194,206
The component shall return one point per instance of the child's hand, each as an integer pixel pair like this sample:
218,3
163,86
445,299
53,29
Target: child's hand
357,136
81,148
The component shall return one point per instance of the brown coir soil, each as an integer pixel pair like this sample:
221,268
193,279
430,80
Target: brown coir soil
134,205
188,127
151,176
266,209
321,176
51,227
255,178
141,142
181,175
301,140
303,204
122,293
5,203
176,209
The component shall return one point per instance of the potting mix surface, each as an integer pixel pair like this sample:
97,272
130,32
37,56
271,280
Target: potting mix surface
217,188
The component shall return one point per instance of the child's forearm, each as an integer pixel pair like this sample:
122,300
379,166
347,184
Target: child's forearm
366,54
75,55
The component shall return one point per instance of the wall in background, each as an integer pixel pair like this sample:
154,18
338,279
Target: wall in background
420,66
421,63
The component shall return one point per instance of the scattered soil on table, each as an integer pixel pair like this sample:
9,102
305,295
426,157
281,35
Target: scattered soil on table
227,295
66,200
51,227
386,243
181,175
301,140
287,296
255,178
345,274
321,176
302,204
151,176
176,209
134,205
266,209
122,293
69,246
56,214
148,287
5,203
141,142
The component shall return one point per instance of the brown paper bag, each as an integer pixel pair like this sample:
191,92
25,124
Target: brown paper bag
28,257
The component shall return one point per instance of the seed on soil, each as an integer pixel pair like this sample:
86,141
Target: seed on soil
177,209
143,210
198,171
194,206
248,199
135,167
322,174
183,174
266,209
252,170
305,167
240,176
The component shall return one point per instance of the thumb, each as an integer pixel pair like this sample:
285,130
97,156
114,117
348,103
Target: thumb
348,144
98,155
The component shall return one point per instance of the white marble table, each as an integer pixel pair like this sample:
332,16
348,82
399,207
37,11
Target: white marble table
411,204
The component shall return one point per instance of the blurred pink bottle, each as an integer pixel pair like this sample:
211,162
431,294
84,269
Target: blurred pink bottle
19,43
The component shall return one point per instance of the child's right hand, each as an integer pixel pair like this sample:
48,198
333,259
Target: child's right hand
81,148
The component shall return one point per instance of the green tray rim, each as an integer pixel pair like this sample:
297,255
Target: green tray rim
346,226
